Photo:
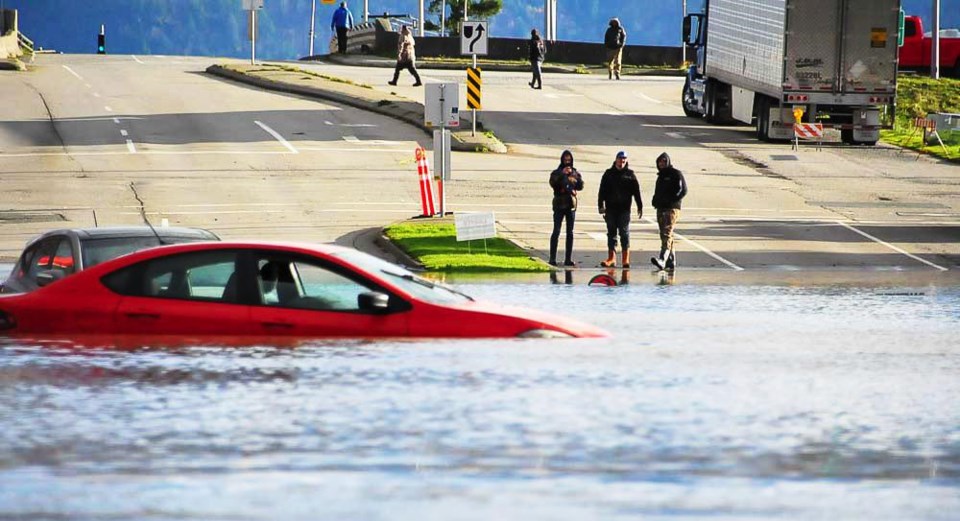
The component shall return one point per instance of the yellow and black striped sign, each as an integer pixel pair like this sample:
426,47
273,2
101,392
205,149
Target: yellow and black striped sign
473,88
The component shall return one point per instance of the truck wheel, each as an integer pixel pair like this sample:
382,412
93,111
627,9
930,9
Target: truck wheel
763,119
710,102
687,102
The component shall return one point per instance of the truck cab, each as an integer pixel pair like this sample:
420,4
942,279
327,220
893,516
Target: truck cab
915,53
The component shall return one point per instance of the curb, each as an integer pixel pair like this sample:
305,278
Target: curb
393,106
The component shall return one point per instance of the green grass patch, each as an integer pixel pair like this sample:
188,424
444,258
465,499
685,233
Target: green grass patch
916,97
435,245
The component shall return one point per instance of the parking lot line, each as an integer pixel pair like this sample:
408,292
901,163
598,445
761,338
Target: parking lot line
892,247
278,137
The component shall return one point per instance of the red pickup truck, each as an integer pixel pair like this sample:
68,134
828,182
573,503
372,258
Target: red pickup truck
915,51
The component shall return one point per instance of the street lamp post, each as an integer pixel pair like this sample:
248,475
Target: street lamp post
313,24
420,21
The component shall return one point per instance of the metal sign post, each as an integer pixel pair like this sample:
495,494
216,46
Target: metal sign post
253,6
473,41
441,109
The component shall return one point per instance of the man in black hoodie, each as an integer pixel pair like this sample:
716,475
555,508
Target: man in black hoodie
671,188
617,187
566,182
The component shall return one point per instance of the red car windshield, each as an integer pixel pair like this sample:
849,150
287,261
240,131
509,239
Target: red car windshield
419,287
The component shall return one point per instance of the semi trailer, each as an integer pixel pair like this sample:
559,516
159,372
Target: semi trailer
759,60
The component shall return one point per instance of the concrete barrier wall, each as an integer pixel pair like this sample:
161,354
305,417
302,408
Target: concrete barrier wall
9,46
558,52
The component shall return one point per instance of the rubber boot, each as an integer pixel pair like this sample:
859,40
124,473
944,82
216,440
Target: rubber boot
611,259
625,259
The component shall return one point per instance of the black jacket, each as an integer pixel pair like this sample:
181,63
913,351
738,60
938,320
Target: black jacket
617,187
537,49
615,37
565,188
671,186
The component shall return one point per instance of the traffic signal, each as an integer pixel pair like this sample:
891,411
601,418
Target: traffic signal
102,41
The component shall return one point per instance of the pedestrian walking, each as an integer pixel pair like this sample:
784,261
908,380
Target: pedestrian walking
669,192
566,181
614,40
406,57
618,187
537,51
341,23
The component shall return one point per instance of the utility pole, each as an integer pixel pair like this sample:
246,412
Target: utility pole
366,10
465,2
935,47
313,24
421,22
443,18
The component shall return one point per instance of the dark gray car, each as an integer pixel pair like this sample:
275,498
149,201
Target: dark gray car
59,253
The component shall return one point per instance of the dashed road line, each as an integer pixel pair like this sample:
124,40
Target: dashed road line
130,148
96,94
108,109
136,59
891,246
278,137
71,71
123,132
116,120
351,139
648,98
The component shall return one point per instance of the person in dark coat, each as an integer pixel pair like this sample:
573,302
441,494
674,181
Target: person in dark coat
618,187
670,191
537,52
614,40
566,182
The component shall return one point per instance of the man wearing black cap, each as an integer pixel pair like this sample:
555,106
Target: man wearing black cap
617,187
671,189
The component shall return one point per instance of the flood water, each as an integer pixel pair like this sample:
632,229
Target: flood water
791,400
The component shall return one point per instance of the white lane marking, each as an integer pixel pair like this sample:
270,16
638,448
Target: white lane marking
697,245
278,137
648,98
892,247
130,148
123,132
96,94
674,135
328,123
351,139
601,237
116,120
108,109
71,71
357,125
136,59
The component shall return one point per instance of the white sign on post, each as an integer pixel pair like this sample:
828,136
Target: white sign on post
250,5
441,107
471,226
473,37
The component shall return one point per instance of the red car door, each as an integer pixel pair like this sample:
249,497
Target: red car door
300,297
192,294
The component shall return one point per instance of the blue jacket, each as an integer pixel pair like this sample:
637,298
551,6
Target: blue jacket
342,18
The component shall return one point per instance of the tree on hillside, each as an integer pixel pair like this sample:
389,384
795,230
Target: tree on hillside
476,10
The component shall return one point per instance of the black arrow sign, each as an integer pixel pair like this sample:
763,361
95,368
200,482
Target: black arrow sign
479,31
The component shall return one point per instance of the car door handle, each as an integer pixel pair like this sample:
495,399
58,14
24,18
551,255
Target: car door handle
277,325
152,316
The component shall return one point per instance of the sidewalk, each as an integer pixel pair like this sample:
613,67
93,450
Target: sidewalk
294,80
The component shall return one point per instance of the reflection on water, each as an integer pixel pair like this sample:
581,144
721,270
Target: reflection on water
833,401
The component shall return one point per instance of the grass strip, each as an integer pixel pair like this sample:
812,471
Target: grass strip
435,245
916,97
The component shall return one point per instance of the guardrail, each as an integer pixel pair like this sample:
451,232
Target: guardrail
25,43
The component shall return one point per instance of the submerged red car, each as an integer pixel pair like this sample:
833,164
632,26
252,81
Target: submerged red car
256,292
